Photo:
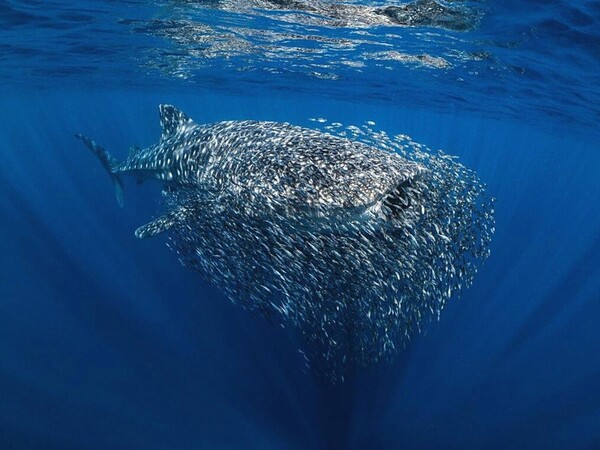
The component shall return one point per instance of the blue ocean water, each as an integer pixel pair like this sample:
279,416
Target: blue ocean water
106,341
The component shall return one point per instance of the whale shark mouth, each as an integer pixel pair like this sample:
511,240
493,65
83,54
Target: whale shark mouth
401,203
399,200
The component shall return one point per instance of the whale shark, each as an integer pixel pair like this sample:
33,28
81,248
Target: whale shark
324,176
354,243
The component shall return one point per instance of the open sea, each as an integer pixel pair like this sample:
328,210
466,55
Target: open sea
108,342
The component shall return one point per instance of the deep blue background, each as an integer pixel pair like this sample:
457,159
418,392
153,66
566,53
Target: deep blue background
106,341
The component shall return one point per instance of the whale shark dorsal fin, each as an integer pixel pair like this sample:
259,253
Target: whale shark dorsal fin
171,120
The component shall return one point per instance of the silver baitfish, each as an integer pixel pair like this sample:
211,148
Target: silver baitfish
353,243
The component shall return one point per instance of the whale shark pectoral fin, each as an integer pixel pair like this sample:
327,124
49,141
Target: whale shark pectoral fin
157,226
163,223
171,120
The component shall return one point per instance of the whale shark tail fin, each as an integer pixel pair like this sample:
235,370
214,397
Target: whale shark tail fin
108,162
